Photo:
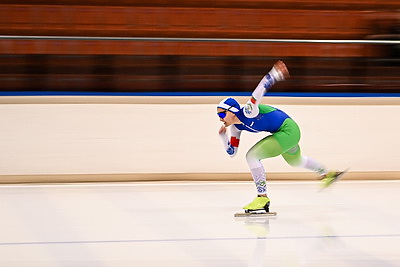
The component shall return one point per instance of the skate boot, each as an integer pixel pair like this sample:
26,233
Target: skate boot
259,205
330,177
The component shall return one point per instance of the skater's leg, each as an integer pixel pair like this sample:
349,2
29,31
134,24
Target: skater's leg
268,147
271,146
289,137
294,158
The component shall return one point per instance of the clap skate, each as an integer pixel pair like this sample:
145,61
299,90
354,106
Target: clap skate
259,207
329,178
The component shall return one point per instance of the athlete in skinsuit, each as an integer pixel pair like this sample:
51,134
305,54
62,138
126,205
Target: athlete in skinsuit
284,138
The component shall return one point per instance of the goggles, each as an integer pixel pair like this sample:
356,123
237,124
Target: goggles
222,114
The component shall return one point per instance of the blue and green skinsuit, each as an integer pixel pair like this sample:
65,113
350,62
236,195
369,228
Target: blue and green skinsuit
283,140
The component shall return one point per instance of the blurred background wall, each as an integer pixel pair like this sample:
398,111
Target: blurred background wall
107,46
211,47
51,141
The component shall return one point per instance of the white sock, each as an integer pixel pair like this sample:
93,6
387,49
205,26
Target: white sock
312,165
260,180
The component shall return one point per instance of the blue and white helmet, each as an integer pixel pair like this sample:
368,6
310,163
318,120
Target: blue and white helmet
230,104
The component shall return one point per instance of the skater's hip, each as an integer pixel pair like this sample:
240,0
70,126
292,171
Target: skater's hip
288,135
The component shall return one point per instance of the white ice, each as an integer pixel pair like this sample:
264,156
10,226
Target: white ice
191,224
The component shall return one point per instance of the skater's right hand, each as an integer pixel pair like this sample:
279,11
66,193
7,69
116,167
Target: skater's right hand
222,130
229,148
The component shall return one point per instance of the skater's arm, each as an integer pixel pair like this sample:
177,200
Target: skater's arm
278,73
231,146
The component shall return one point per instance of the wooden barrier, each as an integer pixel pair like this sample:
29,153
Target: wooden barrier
164,65
69,20
189,48
285,4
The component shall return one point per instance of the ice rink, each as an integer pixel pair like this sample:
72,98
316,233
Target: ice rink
353,223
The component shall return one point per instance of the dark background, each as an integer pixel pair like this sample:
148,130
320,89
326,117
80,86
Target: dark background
207,65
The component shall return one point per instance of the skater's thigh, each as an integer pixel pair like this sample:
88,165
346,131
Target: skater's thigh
278,143
267,147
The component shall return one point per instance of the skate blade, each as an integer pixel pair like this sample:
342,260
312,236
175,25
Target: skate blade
249,214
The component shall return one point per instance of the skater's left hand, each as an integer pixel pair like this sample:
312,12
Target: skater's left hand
281,68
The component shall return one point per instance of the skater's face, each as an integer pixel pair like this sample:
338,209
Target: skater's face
227,117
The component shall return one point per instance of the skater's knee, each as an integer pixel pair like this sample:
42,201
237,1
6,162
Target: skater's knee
252,155
294,160
249,155
252,160
293,156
